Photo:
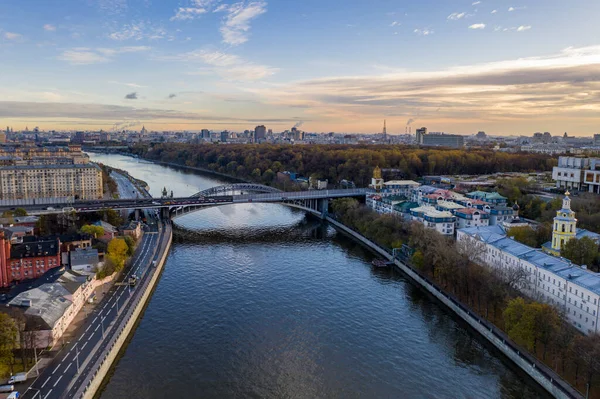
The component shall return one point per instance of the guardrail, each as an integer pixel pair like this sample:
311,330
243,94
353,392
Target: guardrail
122,322
554,379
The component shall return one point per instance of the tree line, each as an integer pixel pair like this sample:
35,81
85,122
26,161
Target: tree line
355,163
496,294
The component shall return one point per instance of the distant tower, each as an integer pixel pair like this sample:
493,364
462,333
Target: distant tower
565,226
384,131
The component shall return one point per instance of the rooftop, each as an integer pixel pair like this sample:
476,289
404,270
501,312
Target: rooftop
401,183
33,246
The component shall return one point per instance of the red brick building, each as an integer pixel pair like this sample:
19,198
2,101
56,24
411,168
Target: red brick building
27,260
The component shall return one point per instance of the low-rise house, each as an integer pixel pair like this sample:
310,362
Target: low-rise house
470,217
50,308
493,197
133,229
15,234
399,187
503,214
402,209
384,205
110,231
442,221
84,260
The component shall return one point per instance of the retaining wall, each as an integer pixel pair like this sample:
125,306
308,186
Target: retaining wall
89,390
543,375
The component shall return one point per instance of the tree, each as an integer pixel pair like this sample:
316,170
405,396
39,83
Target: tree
117,252
93,230
8,339
130,245
580,251
20,212
524,235
520,323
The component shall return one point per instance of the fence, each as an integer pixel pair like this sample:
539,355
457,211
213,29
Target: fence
542,374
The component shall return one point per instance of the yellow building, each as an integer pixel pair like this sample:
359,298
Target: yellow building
82,181
564,227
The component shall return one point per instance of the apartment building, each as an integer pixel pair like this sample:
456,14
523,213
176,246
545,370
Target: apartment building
81,181
582,174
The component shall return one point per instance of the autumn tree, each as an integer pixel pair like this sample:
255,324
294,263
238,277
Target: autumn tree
582,251
93,230
117,252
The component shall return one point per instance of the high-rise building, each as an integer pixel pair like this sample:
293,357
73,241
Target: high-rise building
443,140
224,136
260,133
205,133
422,132
597,139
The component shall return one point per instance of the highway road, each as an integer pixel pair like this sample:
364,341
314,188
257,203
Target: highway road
75,361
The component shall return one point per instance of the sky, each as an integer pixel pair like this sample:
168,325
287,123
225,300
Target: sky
505,67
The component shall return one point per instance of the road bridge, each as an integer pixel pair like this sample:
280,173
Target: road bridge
312,201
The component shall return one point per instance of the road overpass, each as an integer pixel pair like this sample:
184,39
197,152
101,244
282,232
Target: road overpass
313,201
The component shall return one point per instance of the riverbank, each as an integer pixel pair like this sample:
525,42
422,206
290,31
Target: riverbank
544,376
103,365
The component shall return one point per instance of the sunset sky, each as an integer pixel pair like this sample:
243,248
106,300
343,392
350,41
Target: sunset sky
506,67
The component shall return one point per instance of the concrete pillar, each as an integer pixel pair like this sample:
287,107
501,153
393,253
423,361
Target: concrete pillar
323,207
137,214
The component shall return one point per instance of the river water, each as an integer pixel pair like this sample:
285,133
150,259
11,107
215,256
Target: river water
258,301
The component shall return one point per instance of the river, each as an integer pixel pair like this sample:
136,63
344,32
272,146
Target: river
257,300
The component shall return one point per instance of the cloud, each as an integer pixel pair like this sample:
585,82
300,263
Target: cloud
112,7
172,95
511,9
107,114
134,85
228,66
82,56
137,31
476,3
523,28
131,96
188,13
395,23
236,24
49,28
456,15
12,36
424,32
494,11
477,26
222,7
86,56
535,88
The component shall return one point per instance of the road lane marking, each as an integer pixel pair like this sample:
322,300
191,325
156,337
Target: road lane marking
68,367
59,378
45,382
60,364
86,330
83,346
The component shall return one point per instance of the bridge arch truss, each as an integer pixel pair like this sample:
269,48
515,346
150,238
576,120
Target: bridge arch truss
231,189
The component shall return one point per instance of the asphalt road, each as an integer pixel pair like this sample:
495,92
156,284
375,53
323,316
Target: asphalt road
76,358
75,361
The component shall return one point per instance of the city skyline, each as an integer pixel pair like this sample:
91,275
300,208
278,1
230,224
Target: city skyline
506,67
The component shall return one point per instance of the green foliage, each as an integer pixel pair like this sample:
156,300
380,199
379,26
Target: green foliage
530,322
20,212
337,162
582,251
533,237
418,259
93,230
8,339
130,245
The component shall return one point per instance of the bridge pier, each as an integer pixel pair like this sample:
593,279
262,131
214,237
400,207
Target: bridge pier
323,207
137,214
